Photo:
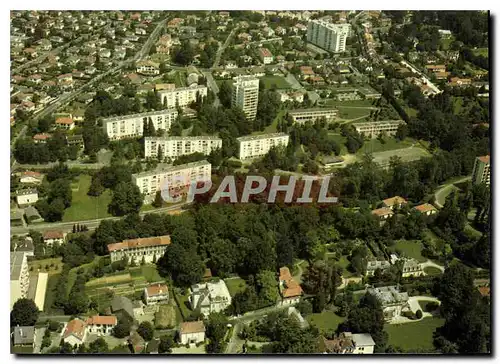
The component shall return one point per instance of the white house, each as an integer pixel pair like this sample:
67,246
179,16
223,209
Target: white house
412,267
101,325
192,332
75,332
51,237
26,197
210,297
156,293
393,302
138,249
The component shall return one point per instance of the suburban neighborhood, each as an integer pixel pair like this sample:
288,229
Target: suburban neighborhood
250,182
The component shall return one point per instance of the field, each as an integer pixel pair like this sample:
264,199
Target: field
356,103
275,81
410,111
183,302
36,266
49,293
415,335
411,248
350,113
115,279
326,321
375,145
481,52
235,285
84,207
406,155
165,317
432,271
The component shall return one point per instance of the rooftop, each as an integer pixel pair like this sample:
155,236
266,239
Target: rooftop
262,136
425,207
75,327
192,327
174,138
141,242
16,264
383,211
171,168
484,159
102,320
139,115
396,200
157,289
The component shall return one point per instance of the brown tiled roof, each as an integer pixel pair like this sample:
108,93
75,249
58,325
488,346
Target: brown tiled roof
485,291
75,327
484,158
53,235
192,327
31,174
383,211
41,136
64,121
102,320
157,289
142,242
291,287
336,345
425,207
396,200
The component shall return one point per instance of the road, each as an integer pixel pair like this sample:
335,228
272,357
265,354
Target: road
221,49
68,163
91,224
213,86
445,190
152,38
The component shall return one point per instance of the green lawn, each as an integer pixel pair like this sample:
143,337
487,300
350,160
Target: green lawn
480,52
72,272
150,273
445,42
183,302
275,81
180,79
411,248
432,271
235,285
411,111
349,113
358,103
415,335
375,145
326,321
49,294
424,303
471,231
85,207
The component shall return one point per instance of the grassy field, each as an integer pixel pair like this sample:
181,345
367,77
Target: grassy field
432,271
72,272
481,52
36,266
410,111
275,81
166,316
417,335
349,113
375,145
326,321
49,294
183,302
357,103
406,155
235,285
411,248
84,207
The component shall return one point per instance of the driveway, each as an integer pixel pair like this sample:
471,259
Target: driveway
441,194
415,306
38,339
430,263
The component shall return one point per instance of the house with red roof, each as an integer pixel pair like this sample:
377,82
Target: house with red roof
426,209
54,236
101,325
65,123
290,290
156,293
75,332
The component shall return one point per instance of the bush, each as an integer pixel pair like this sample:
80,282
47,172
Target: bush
53,325
305,307
419,314
431,306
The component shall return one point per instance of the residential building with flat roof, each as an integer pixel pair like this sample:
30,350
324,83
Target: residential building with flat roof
182,96
37,289
259,145
132,126
136,249
303,116
173,147
375,128
481,171
331,37
175,179
246,95
19,277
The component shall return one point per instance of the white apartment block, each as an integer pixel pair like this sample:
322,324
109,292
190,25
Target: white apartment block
246,95
19,277
174,147
136,249
481,171
259,145
373,129
177,179
331,37
182,96
132,126
311,115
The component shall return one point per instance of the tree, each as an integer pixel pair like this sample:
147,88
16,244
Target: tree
146,330
158,202
216,327
96,188
225,94
24,313
98,346
184,265
126,199
267,285
166,344
122,329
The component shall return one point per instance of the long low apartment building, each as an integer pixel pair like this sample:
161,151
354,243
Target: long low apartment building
132,126
19,277
375,128
137,249
182,96
173,147
259,145
302,116
172,180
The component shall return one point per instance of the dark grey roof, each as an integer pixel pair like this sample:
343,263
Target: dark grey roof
16,262
25,245
24,335
122,303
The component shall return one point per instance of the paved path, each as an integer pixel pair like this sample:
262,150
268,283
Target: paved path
91,224
430,263
213,86
444,190
221,49
298,277
415,306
